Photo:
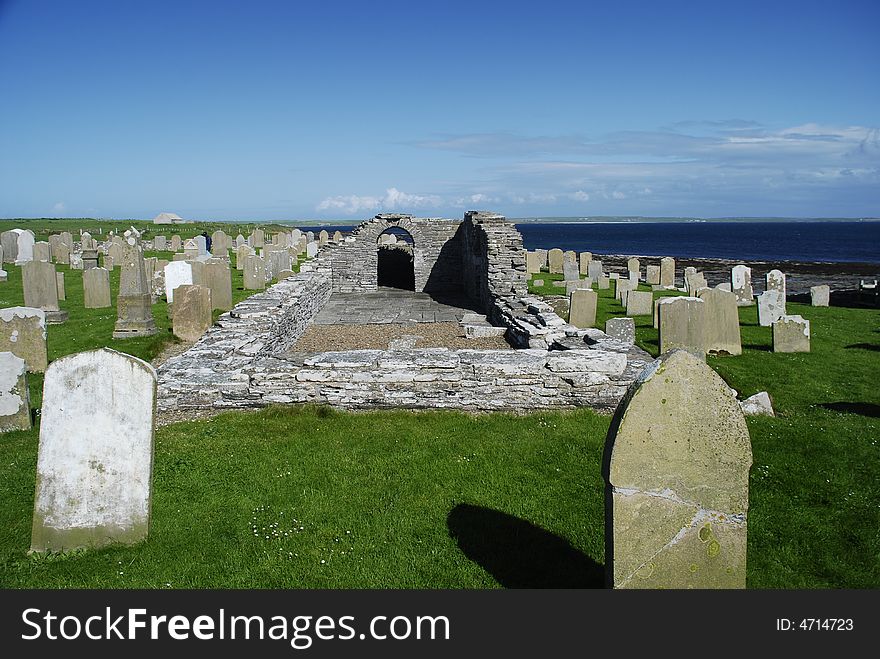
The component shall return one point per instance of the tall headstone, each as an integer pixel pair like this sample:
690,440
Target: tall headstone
96,288
254,273
239,241
771,307
791,334
61,253
177,273
555,258
134,301
219,280
582,308
820,296
570,271
95,460
42,251
41,290
202,245
584,259
775,281
682,324
652,275
192,312
175,243
219,243
533,263
241,254
633,266
15,409
677,461
569,256
9,243
59,285
337,237
23,333
620,286
722,334
323,237
741,285
259,239
312,249
667,272
25,242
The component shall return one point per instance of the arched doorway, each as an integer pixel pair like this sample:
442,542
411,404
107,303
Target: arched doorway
395,267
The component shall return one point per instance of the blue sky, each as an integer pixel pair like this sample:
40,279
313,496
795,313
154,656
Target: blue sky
338,110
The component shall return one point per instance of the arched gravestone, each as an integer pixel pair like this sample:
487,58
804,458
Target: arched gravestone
95,459
676,470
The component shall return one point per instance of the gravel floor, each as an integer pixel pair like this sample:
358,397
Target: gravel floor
324,338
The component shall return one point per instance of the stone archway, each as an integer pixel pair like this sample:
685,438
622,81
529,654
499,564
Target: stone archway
395,259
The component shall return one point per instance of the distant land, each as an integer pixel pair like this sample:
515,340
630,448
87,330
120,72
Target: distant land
648,219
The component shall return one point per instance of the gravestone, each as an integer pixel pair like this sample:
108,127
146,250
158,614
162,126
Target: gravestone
633,266
192,312
323,237
114,254
160,244
594,269
791,334
219,279
241,254
667,272
25,243
820,296
258,239
239,241
584,259
337,237
191,250
771,307
582,308
311,249
556,259
621,329
42,252
278,260
89,259
533,263
570,271
41,290
23,333
254,273
59,285
569,256
722,334
542,257
741,285
134,301
621,286
9,243
96,288
639,303
175,243
15,409
677,461
775,281
682,324
652,275
219,243
94,467
602,282
62,254
177,273
202,245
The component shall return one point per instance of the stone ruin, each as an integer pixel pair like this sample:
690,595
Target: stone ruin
245,360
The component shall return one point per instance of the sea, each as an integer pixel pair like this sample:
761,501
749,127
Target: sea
812,241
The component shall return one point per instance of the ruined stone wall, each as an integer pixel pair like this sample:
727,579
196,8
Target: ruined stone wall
436,254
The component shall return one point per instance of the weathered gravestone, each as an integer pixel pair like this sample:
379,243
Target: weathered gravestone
582,308
219,279
555,259
741,284
15,409
775,281
323,237
9,243
134,301
584,259
721,333
622,329
25,243
241,254
177,273
160,244
682,324
667,272
337,237
41,290
95,460
312,249
602,282
257,239
639,303
791,334
96,288
255,273
633,266
820,296
175,243
533,263
569,256
23,333
652,275
570,271
771,307
61,253
42,252
594,269
620,287
59,285
676,468
192,312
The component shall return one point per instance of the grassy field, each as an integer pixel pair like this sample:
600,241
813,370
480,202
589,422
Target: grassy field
311,498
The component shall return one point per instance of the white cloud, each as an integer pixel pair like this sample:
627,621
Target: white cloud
580,195
60,207
393,199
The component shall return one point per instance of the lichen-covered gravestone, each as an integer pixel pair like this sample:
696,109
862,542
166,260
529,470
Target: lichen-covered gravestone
639,303
676,468
791,334
134,301
621,329
192,312
741,284
95,459
15,411
682,324
96,288
555,259
582,309
41,290
667,272
722,333
23,333
820,295
771,307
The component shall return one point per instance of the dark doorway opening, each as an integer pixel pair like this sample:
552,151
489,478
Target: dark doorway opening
395,268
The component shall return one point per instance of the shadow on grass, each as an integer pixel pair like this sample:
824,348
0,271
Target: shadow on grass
864,346
518,553
864,409
758,346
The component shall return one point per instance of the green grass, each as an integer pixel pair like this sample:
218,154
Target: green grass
44,227
445,499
